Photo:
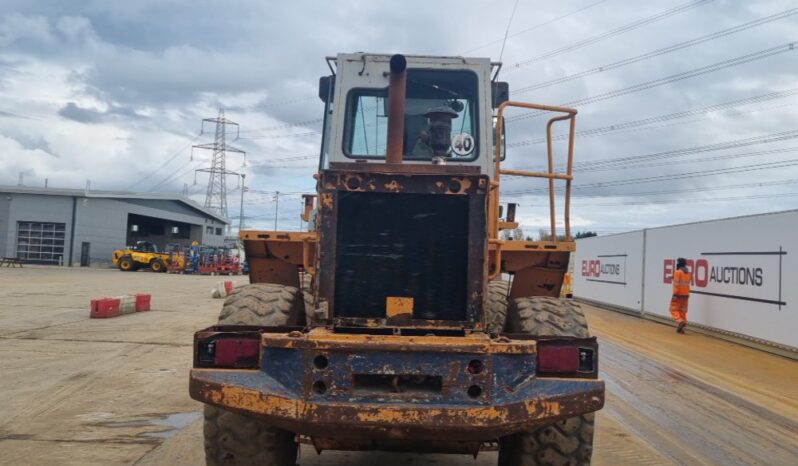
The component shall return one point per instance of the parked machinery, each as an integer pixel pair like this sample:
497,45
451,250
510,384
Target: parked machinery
407,337
141,255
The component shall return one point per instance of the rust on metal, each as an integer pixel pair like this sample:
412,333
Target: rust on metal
378,420
397,88
404,169
321,338
307,203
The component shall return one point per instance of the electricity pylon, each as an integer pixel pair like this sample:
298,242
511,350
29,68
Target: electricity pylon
216,194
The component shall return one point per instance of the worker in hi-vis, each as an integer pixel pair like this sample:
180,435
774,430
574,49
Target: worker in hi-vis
681,293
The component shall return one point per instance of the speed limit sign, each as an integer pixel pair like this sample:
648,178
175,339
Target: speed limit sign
463,144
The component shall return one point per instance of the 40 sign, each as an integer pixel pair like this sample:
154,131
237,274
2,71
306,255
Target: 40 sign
740,275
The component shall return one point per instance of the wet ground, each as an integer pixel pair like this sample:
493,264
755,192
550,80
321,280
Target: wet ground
80,391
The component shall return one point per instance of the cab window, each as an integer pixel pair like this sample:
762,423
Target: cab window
431,95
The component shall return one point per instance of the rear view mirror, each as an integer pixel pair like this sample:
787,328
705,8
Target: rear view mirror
326,85
511,211
500,93
503,152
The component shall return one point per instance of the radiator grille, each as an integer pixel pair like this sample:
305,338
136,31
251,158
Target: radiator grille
412,245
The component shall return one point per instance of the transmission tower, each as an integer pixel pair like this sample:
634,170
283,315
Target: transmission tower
216,194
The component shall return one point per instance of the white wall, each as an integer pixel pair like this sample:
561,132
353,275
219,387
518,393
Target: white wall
609,269
745,273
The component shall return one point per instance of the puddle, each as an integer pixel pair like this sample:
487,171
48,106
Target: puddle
169,423
174,422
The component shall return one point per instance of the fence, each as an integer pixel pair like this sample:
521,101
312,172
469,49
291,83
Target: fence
744,274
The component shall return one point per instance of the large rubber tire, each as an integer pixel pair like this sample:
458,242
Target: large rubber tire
566,442
542,316
308,288
126,264
264,304
498,291
157,266
237,439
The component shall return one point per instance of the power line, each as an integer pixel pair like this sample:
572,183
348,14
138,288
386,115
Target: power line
700,160
537,26
165,163
285,102
612,33
683,122
174,175
631,161
665,117
507,31
678,176
285,126
697,189
662,51
733,144
672,78
278,136
694,200
691,190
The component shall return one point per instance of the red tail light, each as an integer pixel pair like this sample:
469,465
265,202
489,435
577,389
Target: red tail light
558,359
568,357
238,353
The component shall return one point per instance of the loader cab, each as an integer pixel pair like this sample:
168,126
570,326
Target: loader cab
145,246
404,176
447,115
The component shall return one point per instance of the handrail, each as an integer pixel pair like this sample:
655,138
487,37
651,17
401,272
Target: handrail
551,175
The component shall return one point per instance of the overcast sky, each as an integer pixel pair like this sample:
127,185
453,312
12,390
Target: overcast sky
114,92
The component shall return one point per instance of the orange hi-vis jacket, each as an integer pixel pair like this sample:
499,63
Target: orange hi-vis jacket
681,283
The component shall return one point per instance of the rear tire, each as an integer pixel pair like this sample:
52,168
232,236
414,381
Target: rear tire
264,304
543,316
126,264
306,281
240,439
498,291
565,442
236,439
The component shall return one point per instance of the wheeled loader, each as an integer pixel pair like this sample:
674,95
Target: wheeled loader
402,321
141,255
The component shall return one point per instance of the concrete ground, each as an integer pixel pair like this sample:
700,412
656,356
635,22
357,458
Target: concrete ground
106,392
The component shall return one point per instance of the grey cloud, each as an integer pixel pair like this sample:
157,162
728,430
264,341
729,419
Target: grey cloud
178,61
73,112
83,115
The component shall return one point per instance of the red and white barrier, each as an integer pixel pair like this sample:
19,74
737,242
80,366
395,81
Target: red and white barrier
143,302
103,308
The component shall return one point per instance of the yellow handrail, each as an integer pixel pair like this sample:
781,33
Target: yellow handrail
551,175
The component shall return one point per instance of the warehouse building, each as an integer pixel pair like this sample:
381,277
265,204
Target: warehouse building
78,227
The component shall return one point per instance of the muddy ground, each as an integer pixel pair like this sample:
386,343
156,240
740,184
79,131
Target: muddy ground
106,392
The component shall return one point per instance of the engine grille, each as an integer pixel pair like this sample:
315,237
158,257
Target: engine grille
411,245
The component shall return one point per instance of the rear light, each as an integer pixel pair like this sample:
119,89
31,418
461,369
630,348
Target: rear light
567,358
558,359
238,353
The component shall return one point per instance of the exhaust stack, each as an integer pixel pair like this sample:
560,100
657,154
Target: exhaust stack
396,109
